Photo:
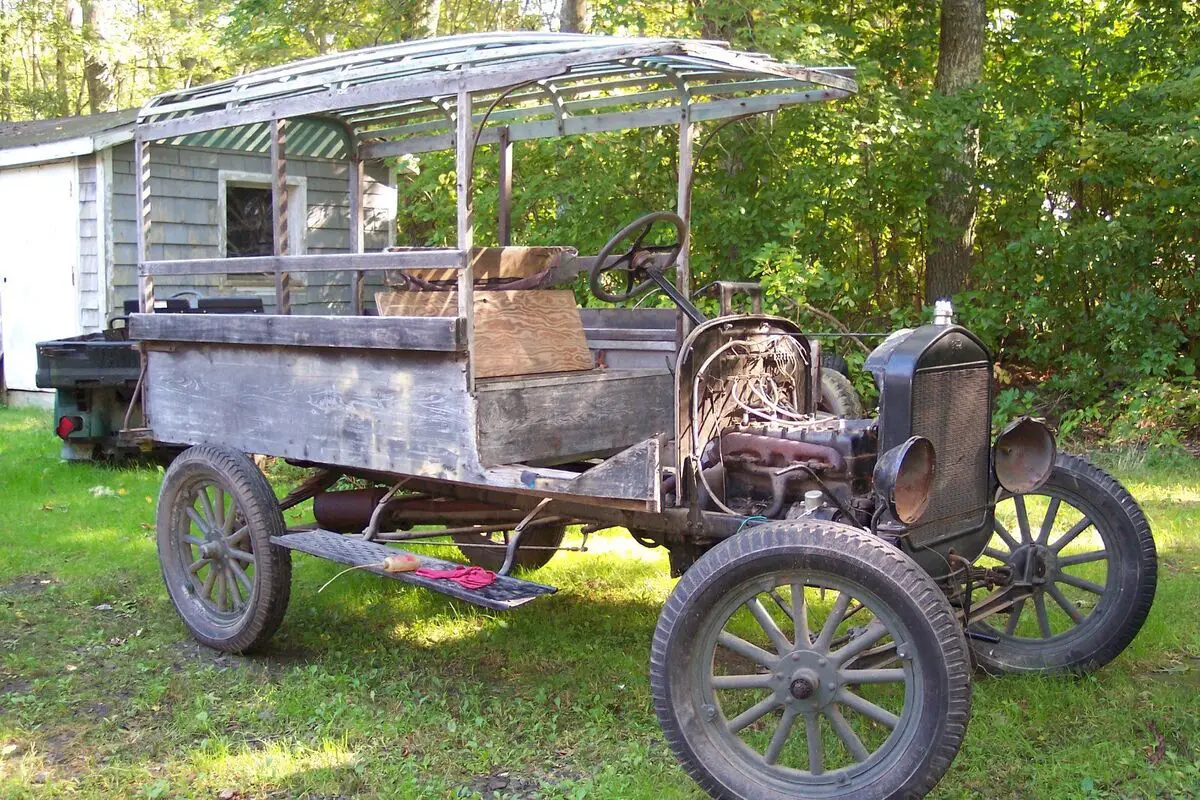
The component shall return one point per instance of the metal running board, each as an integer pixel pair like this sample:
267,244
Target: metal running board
504,593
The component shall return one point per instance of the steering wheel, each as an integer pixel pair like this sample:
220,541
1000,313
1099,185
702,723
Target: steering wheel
638,259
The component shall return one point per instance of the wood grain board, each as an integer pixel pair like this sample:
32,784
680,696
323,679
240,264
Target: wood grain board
517,332
496,263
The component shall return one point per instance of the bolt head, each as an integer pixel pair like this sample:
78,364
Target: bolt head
821,662
710,713
795,656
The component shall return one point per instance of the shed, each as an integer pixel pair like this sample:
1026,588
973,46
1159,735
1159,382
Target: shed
68,231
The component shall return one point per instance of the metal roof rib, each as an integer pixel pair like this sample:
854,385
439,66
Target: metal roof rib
400,90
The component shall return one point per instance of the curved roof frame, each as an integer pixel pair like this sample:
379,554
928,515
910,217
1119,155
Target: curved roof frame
399,98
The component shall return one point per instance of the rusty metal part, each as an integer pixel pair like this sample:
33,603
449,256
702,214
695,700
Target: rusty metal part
778,452
350,511
311,486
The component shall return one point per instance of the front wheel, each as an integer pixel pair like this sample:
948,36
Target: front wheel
810,660
1082,548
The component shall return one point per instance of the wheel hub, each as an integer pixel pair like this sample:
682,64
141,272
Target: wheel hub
806,679
1034,564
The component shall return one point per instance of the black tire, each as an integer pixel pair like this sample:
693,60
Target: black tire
493,557
236,538
926,734
838,396
1129,581
836,363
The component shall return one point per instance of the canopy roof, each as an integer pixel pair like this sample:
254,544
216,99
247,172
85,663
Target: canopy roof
400,98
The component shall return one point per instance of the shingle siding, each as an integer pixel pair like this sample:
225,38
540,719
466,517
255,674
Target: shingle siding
184,216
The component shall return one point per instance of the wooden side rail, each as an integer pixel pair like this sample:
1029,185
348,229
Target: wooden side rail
443,334
327,262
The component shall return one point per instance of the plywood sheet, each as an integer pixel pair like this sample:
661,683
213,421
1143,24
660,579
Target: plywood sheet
496,263
517,332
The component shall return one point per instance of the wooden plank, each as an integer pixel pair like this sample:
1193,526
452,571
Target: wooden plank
372,333
356,231
516,332
141,179
501,263
504,202
634,472
326,262
279,213
683,207
565,418
464,155
390,410
628,318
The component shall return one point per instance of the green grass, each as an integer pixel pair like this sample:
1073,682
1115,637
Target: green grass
373,689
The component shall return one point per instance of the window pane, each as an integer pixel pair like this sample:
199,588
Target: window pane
248,227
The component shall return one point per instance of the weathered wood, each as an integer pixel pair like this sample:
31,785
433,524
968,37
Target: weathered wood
279,213
634,472
373,333
464,154
141,180
522,332
561,418
390,410
501,263
683,207
324,262
628,318
504,203
356,231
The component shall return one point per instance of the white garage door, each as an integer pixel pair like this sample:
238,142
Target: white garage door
39,255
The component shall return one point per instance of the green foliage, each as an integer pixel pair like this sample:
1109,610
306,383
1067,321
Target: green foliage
1085,278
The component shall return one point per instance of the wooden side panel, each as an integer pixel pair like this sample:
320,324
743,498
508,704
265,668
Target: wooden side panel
373,333
496,263
564,418
394,411
526,332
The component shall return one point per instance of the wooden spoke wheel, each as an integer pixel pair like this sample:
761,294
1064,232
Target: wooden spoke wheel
216,517
1082,547
757,668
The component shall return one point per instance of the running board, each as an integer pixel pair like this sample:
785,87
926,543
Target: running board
503,593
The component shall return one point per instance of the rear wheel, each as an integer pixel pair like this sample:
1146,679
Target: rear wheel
838,396
216,516
810,660
1084,548
535,550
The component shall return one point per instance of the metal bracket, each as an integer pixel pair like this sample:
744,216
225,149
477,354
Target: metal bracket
514,541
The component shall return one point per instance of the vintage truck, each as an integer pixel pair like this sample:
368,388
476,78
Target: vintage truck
838,576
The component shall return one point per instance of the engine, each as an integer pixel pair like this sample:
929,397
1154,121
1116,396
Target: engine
922,474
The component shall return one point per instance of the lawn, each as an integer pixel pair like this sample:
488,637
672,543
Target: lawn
374,689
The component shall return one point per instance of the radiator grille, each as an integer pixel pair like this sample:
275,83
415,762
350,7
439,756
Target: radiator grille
950,407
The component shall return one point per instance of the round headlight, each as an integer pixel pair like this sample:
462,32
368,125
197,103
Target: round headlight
1024,455
904,478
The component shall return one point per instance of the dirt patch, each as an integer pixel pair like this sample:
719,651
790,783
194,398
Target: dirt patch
16,686
510,786
189,652
28,584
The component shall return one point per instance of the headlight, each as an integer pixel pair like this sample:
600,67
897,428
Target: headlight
1023,455
904,478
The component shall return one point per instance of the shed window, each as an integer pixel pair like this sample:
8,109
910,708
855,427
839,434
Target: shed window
249,230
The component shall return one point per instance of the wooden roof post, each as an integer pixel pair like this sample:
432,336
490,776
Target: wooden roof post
504,205
683,271
356,228
463,151
141,185
279,212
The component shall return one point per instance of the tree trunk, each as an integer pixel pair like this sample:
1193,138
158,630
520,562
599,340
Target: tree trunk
573,16
95,69
953,203
433,13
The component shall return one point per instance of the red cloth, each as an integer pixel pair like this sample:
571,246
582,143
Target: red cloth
467,577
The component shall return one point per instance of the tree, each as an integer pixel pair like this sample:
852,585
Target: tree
953,204
94,67
573,17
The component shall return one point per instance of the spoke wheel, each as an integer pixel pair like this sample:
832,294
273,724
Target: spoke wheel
758,677
487,549
216,517
1083,549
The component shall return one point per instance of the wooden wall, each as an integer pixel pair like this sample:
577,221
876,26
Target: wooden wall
186,224
91,265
